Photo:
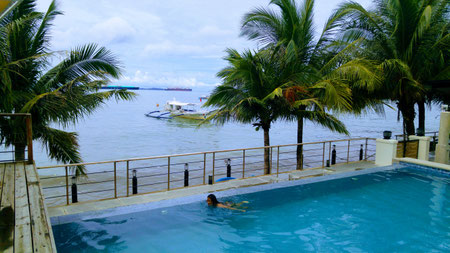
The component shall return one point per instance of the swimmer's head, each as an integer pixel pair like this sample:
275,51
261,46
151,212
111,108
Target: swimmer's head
212,200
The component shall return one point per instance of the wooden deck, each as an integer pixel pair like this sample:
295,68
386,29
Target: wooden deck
24,223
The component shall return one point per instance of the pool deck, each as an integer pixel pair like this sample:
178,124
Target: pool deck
24,223
195,190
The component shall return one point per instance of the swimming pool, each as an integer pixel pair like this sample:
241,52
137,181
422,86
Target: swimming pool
404,209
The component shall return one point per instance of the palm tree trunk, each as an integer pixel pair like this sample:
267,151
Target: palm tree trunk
300,140
19,152
409,121
266,151
408,114
421,105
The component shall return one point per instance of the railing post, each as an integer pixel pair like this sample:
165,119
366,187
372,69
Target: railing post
115,180
278,160
29,139
271,159
128,178
323,156
348,151
329,151
204,167
214,166
67,185
168,173
243,163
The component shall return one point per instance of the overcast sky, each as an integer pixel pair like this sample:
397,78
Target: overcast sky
163,43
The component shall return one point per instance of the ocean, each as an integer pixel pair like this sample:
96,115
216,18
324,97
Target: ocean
120,130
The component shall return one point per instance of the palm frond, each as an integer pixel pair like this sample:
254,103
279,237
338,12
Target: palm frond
62,146
41,37
262,25
326,120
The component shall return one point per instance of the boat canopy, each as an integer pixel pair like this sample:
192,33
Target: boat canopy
179,103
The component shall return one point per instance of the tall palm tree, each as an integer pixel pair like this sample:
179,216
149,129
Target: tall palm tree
409,42
319,69
249,93
62,94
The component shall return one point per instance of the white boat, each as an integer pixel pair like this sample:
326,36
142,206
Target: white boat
179,109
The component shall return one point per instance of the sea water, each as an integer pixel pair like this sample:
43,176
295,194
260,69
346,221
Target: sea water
403,210
120,130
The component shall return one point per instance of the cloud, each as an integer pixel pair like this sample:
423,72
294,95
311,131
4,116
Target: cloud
113,30
168,47
180,43
169,80
214,31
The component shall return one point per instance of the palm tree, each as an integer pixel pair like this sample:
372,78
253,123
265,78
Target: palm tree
316,71
409,42
62,94
249,93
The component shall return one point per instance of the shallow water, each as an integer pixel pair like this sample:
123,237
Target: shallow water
120,130
395,211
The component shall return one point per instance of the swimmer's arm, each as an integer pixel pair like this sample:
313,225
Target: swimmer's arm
240,203
229,207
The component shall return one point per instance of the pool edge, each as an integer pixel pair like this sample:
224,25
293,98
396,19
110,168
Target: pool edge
165,203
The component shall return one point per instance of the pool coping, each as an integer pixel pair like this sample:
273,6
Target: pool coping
166,203
422,163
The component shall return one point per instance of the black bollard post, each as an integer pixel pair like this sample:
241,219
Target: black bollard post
135,183
74,190
433,144
210,181
186,174
333,155
328,163
361,153
228,167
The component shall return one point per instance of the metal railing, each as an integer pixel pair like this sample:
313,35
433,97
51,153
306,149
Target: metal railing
8,152
434,139
433,134
126,177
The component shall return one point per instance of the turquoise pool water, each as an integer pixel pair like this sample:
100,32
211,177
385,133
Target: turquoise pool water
402,210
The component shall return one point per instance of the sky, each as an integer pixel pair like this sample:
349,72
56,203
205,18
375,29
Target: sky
170,43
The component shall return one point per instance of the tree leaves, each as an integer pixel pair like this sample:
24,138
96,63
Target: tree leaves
63,94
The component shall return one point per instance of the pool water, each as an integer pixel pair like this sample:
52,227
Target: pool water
402,210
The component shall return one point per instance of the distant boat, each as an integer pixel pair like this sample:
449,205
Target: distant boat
177,109
116,87
121,87
179,89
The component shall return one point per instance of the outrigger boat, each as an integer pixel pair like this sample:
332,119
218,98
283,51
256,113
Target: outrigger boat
178,109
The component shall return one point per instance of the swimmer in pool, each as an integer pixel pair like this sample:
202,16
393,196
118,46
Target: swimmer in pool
212,201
